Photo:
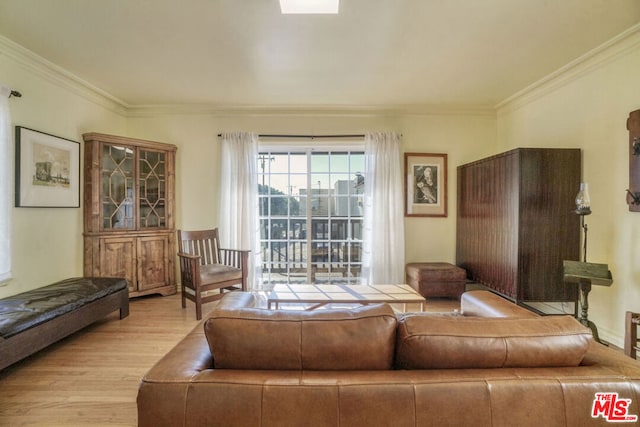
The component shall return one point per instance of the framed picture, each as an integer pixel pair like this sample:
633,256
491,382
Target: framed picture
425,184
47,170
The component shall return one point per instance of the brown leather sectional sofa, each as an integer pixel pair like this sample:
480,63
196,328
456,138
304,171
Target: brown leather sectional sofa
496,365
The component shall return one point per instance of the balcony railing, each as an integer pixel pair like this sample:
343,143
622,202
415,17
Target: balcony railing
324,259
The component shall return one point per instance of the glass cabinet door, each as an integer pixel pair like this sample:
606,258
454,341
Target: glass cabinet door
152,192
117,187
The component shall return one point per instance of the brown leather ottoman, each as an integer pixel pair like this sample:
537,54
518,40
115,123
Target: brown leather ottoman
436,279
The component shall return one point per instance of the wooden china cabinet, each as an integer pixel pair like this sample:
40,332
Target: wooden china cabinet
129,229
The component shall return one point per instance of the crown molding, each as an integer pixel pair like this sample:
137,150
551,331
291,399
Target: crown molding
308,110
59,76
603,54
607,52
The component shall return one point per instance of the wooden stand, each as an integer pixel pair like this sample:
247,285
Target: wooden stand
586,274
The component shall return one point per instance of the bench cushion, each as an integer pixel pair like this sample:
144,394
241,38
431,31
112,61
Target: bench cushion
28,309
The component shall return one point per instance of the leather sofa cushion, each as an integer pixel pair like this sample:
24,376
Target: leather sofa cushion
437,342
362,338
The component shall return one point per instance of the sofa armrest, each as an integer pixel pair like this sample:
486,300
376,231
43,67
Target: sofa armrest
481,303
169,380
188,358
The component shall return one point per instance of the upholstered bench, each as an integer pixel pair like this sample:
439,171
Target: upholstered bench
436,279
32,320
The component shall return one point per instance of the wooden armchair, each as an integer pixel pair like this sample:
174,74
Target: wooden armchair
205,267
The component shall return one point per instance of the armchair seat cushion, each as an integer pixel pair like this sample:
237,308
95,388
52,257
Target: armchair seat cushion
219,273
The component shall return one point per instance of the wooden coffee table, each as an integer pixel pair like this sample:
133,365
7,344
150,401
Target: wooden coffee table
321,295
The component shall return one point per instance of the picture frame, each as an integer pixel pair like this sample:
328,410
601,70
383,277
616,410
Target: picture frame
425,184
47,170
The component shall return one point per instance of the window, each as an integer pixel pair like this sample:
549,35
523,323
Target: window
311,213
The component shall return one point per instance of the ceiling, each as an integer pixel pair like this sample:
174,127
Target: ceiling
374,53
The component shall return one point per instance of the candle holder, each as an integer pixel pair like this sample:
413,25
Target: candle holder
583,208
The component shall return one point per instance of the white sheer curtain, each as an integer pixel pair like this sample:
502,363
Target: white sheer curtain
238,222
5,184
383,239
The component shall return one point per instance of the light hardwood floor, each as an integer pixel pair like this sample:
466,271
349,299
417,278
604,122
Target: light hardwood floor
91,378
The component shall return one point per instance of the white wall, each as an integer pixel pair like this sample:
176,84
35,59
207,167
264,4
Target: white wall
463,136
586,106
47,243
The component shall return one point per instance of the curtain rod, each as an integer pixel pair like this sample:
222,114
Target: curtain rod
307,136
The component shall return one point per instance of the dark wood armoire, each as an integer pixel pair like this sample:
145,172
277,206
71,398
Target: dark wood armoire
516,222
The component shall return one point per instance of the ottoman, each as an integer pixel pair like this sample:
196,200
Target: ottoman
436,279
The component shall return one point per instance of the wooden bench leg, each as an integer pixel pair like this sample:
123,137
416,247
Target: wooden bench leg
124,305
631,333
